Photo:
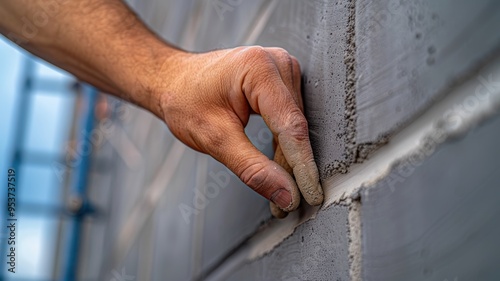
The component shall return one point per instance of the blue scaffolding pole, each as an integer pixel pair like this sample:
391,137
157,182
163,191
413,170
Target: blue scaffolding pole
70,250
18,136
79,186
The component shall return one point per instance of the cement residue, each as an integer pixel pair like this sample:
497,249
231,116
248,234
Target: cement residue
341,166
363,151
449,117
350,86
355,249
337,166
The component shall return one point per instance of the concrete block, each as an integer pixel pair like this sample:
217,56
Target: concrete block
317,250
316,32
437,220
409,52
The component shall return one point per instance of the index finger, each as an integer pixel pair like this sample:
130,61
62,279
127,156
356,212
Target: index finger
271,98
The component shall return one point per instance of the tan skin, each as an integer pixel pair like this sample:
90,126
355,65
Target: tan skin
103,43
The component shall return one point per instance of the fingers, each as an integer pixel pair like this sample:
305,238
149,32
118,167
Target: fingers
279,158
272,98
264,176
276,211
289,70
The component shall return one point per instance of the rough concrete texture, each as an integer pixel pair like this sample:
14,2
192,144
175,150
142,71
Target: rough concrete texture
437,220
315,33
317,250
408,52
401,57
355,243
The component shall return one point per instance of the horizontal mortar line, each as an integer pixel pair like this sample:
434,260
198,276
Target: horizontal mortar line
343,187
406,141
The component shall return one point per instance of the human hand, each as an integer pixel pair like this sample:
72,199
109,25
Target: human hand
206,102
205,99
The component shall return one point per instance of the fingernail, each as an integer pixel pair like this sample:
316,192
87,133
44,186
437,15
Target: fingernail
282,198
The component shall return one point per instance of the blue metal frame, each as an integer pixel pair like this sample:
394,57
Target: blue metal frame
79,186
80,174
18,136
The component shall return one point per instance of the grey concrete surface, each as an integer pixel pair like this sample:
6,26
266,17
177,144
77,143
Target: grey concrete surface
409,52
437,220
402,55
315,33
317,250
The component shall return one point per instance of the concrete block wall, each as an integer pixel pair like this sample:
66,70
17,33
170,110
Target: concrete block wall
317,250
316,32
381,79
409,53
440,222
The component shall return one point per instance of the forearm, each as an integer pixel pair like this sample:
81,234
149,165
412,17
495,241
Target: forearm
205,99
100,41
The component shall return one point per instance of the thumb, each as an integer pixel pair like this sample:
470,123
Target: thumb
257,171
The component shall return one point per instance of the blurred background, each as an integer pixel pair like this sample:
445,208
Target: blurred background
105,192
82,170
38,114
103,188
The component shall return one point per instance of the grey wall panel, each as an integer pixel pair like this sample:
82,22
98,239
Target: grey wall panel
318,250
168,18
203,25
315,33
172,238
410,51
236,212
225,24
437,220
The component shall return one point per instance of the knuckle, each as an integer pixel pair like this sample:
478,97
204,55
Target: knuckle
297,126
255,176
255,53
283,57
279,50
258,64
296,65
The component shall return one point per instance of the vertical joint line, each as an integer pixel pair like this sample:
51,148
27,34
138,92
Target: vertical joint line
350,88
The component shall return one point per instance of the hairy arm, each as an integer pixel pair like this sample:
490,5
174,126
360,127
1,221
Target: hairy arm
205,99
101,42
